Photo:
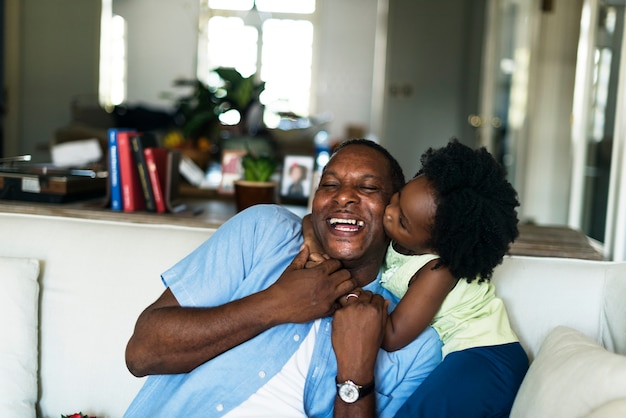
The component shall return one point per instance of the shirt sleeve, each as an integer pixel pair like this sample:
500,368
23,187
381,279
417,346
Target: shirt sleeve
243,256
419,359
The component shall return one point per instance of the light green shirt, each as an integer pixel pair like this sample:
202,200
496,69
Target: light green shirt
470,316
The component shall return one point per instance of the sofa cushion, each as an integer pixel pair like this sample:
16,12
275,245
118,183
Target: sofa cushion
612,409
571,376
18,319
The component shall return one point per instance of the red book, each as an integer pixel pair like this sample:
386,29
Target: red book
132,194
156,162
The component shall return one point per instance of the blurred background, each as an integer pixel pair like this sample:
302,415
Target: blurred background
538,82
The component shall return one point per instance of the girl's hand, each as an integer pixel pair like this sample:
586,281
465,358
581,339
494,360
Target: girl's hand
315,259
317,254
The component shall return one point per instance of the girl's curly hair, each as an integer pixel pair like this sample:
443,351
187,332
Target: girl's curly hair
476,217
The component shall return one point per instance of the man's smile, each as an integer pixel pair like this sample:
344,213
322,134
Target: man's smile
346,225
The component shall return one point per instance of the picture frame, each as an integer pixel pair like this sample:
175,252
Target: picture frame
297,179
232,170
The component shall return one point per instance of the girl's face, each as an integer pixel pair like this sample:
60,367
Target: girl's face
410,215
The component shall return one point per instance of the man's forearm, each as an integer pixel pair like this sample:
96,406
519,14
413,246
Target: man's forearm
364,408
356,336
169,339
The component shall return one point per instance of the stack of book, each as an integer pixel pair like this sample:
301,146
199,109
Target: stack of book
142,175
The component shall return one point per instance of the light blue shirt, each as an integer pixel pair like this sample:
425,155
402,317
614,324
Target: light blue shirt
247,254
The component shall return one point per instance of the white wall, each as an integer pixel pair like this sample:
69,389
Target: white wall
58,58
433,53
58,61
345,62
162,45
547,172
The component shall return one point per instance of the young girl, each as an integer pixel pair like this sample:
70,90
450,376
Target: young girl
450,226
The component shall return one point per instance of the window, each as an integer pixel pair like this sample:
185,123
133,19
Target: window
273,38
112,89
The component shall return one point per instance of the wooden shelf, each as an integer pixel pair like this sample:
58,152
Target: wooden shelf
201,212
205,208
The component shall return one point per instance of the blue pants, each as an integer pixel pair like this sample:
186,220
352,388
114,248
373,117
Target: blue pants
477,382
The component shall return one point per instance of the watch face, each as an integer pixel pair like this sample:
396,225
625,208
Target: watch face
348,392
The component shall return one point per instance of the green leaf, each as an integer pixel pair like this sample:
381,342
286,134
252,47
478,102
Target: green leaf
258,168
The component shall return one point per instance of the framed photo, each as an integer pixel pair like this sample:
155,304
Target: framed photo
232,170
297,175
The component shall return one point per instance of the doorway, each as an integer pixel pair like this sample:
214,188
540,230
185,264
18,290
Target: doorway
3,92
598,128
434,52
599,121
505,70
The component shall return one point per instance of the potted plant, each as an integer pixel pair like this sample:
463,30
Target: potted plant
197,114
256,185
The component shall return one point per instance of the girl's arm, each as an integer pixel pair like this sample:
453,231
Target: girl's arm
316,255
427,290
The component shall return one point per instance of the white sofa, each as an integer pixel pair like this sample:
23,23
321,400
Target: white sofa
94,278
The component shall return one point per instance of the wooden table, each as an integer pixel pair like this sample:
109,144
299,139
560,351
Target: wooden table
553,241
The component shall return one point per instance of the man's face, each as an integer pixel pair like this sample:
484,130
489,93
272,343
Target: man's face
349,204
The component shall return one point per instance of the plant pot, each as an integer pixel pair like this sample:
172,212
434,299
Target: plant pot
249,193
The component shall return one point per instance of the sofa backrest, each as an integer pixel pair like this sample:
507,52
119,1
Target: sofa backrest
541,293
96,277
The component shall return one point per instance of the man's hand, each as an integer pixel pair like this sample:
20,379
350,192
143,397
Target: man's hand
303,295
358,329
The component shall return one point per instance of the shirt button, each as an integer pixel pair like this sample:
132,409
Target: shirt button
219,407
296,337
262,374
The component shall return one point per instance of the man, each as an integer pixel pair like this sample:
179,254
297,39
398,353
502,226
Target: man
242,328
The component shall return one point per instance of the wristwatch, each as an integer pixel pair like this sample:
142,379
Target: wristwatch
350,392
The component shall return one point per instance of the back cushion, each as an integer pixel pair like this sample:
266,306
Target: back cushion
18,345
541,293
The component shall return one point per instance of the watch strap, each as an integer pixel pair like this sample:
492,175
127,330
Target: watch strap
366,389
